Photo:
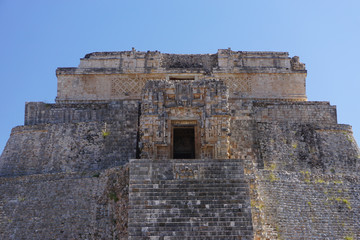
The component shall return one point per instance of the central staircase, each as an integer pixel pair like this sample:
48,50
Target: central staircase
188,199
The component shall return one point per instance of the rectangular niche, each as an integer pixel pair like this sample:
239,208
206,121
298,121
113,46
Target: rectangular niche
184,143
184,140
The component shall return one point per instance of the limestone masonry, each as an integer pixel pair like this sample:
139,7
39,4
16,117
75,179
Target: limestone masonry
147,145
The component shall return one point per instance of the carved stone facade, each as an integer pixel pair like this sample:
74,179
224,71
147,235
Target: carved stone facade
131,85
122,75
201,104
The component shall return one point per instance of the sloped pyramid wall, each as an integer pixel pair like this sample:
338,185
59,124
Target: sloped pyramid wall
91,205
308,183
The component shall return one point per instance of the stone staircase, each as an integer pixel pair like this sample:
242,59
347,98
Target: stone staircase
188,199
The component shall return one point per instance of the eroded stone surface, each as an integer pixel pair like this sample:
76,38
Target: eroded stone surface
91,205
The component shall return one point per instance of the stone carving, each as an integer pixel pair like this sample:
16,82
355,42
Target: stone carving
127,86
296,64
166,100
239,85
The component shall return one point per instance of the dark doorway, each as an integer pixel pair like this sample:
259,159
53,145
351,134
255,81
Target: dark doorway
184,143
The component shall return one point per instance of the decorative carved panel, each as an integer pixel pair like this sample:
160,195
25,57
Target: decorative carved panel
208,113
238,85
127,86
130,85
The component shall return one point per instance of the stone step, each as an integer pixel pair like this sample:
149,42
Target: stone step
179,206
187,163
185,188
228,222
182,190
185,185
184,161
190,214
198,182
189,192
242,235
177,227
174,210
203,167
195,181
200,236
222,222
218,237
170,206
211,175
205,176
218,165
172,202
207,200
189,198
184,201
192,219
152,204
190,232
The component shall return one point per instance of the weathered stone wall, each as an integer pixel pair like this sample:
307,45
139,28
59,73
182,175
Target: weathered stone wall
122,75
303,205
295,112
308,147
225,59
307,181
303,176
283,111
124,111
78,87
93,205
103,135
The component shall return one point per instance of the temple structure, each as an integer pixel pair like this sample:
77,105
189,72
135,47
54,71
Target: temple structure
147,145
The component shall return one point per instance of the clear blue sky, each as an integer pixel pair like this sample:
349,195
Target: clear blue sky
39,36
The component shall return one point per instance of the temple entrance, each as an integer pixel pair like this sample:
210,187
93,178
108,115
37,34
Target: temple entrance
183,143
